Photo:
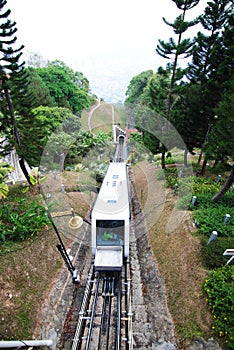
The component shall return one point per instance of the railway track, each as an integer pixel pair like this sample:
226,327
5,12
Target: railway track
120,151
105,317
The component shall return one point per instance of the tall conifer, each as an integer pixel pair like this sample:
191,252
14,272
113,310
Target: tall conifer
208,56
182,48
13,82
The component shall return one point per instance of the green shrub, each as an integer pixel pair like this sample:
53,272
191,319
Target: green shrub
21,220
203,185
219,287
171,181
174,159
98,175
169,160
168,174
204,201
212,254
212,219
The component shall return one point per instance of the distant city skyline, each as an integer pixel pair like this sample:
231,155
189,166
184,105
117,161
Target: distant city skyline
108,42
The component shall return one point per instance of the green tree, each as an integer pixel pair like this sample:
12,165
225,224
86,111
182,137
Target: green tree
13,83
213,20
221,142
155,93
207,60
136,86
65,87
38,89
147,89
44,122
181,48
188,116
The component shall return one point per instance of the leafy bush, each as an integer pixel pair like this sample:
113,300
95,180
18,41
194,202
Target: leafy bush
171,181
170,174
212,254
99,173
21,220
174,159
169,160
212,219
204,201
202,185
219,287
210,215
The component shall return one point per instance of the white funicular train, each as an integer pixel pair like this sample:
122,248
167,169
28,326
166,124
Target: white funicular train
110,220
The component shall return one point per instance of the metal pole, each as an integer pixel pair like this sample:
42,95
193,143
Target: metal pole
59,237
25,343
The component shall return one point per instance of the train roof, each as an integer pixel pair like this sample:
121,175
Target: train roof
113,196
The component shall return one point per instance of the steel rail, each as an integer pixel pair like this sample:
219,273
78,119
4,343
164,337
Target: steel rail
111,311
118,326
129,334
85,301
103,313
108,321
88,343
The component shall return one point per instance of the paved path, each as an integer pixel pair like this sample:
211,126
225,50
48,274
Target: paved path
90,115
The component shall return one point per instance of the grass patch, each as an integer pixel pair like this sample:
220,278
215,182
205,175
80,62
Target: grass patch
102,118
120,116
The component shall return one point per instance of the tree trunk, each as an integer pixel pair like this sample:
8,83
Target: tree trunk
185,157
163,162
24,170
225,187
199,158
204,166
62,157
215,163
16,134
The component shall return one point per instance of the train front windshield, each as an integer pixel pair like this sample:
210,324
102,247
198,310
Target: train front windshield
110,232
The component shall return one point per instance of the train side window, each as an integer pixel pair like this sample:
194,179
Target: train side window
110,232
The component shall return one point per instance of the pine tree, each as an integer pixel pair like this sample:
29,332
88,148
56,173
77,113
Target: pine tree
180,49
175,50
208,64
213,20
13,82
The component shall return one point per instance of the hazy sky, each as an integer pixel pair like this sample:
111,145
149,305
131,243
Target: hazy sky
102,38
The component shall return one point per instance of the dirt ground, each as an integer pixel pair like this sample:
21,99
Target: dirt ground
26,274
177,251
